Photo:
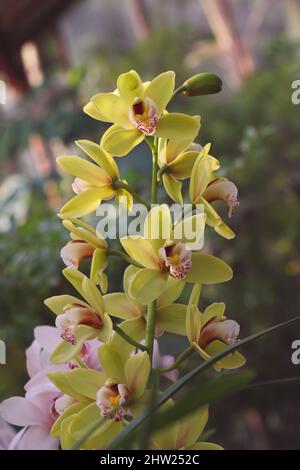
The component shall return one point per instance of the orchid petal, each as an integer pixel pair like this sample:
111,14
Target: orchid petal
178,126
171,318
147,285
119,141
208,269
113,107
77,166
141,250
160,90
100,156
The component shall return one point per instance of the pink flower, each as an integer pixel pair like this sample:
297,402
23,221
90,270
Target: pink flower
43,402
164,361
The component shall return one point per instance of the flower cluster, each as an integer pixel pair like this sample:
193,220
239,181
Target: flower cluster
92,373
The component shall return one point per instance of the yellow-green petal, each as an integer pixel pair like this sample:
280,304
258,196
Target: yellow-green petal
141,250
137,370
160,90
215,310
77,166
85,203
191,427
92,110
135,328
121,306
86,381
225,231
112,362
200,177
193,323
173,188
172,290
205,446
147,285
114,108
100,156
65,352
130,86
98,264
171,318
178,125
208,269
70,411
182,166
158,226
58,302
60,380
92,295
119,141
75,278
66,439
232,361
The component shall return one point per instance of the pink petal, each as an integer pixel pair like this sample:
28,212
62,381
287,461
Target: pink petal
33,362
20,412
48,337
34,438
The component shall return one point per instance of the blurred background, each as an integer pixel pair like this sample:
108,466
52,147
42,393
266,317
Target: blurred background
54,55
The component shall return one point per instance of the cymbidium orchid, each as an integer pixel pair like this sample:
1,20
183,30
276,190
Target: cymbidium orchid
210,332
164,252
86,244
115,395
170,316
176,159
78,320
90,377
207,187
137,109
93,182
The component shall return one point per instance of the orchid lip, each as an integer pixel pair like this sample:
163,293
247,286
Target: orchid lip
177,260
143,115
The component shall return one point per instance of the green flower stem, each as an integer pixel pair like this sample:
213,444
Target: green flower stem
186,353
124,257
150,328
178,90
118,184
129,339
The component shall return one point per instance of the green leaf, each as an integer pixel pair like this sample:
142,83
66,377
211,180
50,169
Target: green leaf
212,391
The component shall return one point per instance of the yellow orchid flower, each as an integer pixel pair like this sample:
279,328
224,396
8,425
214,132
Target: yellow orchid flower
137,109
210,332
169,316
184,434
113,394
164,251
78,320
207,187
93,182
86,244
176,159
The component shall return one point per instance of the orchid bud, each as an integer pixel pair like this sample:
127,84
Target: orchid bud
202,84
